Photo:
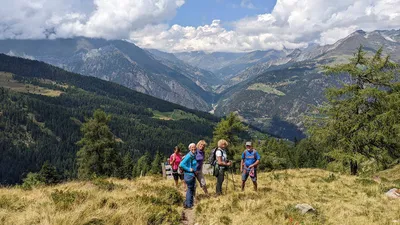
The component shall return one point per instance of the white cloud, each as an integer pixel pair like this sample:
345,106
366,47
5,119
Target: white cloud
209,38
96,18
291,24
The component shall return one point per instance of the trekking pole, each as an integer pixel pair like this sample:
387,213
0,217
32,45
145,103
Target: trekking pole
233,180
227,180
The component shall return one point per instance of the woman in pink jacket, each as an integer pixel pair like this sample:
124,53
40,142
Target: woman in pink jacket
174,161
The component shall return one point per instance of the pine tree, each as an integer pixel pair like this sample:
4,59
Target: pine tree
361,119
156,164
97,155
127,166
229,129
49,174
142,166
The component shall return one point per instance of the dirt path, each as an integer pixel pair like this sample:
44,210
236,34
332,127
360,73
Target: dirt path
188,217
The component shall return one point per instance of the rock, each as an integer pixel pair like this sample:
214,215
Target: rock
393,193
304,208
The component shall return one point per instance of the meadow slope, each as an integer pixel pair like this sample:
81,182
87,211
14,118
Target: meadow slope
338,199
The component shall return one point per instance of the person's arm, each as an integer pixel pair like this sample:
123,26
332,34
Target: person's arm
258,160
172,159
184,164
222,163
242,163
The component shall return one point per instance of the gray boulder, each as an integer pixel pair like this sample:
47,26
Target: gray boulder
305,208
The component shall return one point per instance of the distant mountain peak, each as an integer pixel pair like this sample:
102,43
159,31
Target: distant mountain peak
361,32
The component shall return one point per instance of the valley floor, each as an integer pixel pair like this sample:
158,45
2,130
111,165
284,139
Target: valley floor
338,199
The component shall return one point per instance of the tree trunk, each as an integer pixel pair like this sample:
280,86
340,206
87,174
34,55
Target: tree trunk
353,167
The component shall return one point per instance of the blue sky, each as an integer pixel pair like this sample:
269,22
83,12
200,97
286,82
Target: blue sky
201,12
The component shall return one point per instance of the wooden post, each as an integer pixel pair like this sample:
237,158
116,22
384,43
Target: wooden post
164,174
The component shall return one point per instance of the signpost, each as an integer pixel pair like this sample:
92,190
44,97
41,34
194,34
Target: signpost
167,171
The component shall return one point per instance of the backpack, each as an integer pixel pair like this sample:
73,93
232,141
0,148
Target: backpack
213,158
255,155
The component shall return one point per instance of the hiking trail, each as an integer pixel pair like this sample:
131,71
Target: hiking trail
188,217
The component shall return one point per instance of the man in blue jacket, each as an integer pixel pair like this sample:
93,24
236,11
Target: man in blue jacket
248,165
189,166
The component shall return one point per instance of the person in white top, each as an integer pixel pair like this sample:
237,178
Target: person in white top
223,163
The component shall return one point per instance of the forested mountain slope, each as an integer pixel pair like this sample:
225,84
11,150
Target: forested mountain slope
203,78
114,60
42,108
276,97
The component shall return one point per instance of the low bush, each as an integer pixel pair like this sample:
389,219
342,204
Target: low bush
163,215
32,180
105,185
64,200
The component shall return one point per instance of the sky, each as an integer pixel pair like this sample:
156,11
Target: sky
199,25
202,12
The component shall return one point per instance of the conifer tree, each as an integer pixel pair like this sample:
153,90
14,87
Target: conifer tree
229,129
361,119
142,166
156,164
48,174
97,155
127,166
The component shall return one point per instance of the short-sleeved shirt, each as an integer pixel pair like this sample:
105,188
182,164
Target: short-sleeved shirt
221,152
251,157
178,159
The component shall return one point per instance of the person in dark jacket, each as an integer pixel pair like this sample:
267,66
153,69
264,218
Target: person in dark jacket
189,166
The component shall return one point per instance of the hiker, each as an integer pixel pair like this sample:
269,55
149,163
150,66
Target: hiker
174,161
189,166
201,145
248,165
222,163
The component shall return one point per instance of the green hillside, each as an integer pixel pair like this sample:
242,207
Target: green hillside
42,108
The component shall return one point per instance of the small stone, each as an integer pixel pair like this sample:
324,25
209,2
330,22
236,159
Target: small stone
304,208
393,193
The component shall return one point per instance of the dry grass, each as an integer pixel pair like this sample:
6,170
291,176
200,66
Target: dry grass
338,199
118,202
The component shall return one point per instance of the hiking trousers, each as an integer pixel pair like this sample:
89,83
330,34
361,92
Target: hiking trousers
220,180
190,181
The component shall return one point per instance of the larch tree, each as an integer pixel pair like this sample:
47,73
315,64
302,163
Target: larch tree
229,129
361,120
97,155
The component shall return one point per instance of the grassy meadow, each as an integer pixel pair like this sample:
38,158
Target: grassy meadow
338,199
6,81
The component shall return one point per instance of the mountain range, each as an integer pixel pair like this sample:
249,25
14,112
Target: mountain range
118,61
281,91
270,89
